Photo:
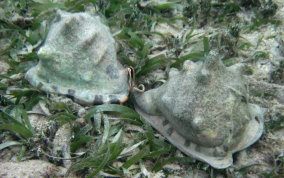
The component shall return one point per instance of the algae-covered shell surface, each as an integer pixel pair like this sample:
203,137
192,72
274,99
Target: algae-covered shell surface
78,59
204,110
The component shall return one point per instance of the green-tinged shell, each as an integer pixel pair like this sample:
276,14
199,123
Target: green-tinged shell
78,59
204,111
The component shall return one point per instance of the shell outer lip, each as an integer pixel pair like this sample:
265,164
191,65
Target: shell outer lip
251,136
118,98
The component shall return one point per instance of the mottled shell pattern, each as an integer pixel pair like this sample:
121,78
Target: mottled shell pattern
78,59
203,110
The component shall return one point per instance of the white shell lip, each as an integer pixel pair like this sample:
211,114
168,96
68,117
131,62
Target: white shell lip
253,132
